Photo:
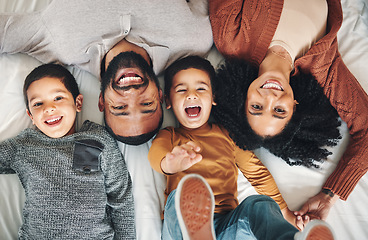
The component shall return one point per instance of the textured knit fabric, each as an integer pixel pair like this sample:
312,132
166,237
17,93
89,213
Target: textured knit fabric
219,166
244,29
62,202
81,32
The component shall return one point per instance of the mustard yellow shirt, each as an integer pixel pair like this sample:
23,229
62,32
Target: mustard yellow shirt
219,166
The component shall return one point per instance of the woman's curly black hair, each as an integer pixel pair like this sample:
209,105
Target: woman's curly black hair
313,126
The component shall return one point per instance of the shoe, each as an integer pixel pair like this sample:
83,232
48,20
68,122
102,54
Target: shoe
316,230
195,205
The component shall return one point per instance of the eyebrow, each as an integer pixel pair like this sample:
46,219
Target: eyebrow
55,92
258,114
199,81
127,112
178,85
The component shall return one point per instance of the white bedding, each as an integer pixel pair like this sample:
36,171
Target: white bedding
349,219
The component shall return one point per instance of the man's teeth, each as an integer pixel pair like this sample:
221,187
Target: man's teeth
53,120
271,85
129,79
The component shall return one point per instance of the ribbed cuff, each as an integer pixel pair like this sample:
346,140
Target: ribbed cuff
344,179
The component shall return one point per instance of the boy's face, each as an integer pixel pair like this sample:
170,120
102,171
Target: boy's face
191,97
52,107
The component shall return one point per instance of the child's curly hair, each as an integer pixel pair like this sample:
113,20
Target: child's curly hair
313,126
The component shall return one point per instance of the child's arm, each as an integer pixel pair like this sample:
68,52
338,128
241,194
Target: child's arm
168,157
263,182
7,153
181,158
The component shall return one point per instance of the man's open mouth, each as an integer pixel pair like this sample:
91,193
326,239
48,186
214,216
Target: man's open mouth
129,79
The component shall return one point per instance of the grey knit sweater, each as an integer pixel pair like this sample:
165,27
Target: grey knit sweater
77,186
80,33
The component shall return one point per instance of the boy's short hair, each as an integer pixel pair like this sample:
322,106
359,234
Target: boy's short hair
54,71
195,62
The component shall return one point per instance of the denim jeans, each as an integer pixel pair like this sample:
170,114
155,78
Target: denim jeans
257,217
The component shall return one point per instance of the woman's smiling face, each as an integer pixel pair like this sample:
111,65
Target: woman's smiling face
270,104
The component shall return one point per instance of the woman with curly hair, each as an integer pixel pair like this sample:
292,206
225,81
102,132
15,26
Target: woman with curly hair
281,99
312,126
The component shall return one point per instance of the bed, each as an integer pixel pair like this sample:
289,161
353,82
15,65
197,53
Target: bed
349,219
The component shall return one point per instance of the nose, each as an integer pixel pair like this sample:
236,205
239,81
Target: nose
191,95
49,108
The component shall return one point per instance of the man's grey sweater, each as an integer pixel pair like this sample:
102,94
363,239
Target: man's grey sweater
81,32
69,196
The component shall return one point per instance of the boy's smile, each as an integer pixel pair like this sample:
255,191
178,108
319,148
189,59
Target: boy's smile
52,107
191,97
53,121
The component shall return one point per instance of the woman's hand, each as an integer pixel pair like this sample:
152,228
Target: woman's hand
318,206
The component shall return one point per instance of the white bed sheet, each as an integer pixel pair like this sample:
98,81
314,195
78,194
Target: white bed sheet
349,219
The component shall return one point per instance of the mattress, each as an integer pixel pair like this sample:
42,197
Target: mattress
349,219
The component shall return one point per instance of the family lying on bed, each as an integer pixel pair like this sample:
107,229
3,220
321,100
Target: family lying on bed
266,94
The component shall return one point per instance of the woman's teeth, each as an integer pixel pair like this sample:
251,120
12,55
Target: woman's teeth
271,86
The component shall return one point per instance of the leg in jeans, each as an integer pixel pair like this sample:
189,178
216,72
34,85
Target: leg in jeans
257,217
191,209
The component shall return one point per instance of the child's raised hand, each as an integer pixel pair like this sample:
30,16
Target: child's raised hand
181,158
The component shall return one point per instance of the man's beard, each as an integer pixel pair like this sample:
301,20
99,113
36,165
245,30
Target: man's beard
129,60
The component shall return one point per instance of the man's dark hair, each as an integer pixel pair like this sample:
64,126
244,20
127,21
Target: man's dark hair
103,67
129,59
54,71
186,63
313,126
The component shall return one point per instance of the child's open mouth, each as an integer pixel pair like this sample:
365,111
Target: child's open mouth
53,121
193,111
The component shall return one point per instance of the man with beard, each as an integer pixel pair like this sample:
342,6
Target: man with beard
130,92
89,34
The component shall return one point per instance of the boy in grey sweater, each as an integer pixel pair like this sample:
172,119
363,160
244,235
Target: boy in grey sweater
76,183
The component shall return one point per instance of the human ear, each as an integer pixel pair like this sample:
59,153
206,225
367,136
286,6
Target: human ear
167,101
30,115
101,105
79,102
295,103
